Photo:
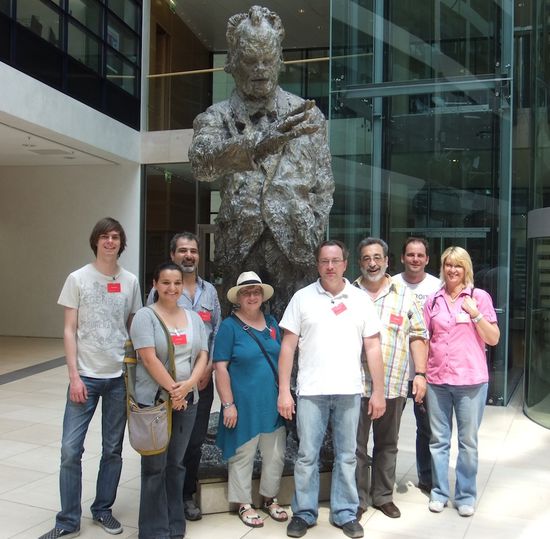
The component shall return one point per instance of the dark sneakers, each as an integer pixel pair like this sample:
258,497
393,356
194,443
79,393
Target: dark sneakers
55,533
352,528
192,510
297,527
109,523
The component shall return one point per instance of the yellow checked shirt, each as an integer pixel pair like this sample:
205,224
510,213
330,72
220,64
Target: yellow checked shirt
402,319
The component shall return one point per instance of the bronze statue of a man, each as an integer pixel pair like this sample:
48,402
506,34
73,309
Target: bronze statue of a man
270,149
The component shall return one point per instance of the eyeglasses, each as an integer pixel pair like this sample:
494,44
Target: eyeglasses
369,259
107,237
253,292
330,261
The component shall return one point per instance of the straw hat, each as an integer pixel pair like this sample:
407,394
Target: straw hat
248,278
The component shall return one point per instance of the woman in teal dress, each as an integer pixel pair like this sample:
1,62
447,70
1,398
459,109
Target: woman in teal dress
246,353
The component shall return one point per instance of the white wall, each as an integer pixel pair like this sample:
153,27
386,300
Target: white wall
46,216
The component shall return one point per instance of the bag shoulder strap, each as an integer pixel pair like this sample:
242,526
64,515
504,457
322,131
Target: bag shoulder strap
169,343
264,351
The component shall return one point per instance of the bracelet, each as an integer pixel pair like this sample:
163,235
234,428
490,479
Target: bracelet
477,319
423,374
226,405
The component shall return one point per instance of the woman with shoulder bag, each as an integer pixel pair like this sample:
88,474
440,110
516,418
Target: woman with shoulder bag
462,321
161,514
246,353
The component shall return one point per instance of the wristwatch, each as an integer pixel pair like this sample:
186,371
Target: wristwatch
227,405
423,374
477,319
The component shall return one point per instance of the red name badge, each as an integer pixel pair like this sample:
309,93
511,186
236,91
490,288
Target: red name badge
113,288
179,339
273,333
206,316
396,319
339,309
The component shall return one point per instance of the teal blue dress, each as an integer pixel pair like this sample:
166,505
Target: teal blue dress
252,382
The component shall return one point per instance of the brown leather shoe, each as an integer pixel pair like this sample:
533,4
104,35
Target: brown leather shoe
389,509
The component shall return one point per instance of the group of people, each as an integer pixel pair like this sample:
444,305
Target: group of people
361,348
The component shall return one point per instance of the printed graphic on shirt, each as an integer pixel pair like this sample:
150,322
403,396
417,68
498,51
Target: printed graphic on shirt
99,314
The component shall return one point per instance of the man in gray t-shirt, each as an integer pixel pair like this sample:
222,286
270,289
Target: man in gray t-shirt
99,300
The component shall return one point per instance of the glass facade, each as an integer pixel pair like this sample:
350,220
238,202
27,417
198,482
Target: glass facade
537,372
421,134
432,128
88,49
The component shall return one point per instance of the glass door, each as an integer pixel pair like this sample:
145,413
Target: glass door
421,135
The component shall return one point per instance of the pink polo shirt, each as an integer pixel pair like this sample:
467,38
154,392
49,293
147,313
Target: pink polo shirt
457,353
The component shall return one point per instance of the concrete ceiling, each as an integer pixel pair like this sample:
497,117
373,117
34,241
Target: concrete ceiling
306,22
23,148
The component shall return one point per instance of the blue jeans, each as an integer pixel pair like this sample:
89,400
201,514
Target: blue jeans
468,403
313,414
75,426
161,514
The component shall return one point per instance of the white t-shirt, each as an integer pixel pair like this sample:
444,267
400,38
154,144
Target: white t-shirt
426,287
104,304
331,330
422,290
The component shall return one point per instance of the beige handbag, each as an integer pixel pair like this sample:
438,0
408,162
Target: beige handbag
149,427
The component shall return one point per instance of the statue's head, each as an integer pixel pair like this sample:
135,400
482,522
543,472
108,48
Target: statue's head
254,56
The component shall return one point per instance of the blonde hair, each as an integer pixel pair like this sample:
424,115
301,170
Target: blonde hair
459,257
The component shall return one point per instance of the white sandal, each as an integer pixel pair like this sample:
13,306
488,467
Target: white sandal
275,511
248,520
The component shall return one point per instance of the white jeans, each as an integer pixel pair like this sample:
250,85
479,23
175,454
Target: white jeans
272,448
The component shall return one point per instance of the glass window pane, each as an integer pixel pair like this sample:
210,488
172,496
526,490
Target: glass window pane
40,19
127,11
352,42
121,73
441,39
84,47
88,13
5,6
122,39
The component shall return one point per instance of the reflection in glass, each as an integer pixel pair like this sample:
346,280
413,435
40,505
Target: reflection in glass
443,39
84,47
121,73
122,39
41,19
127,11
537,383
5,6
88,13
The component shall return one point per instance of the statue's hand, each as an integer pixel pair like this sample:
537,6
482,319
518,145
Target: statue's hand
293,125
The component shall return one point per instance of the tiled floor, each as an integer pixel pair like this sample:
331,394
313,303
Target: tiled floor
513,481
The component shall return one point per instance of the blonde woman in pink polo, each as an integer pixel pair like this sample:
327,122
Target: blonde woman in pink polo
461,320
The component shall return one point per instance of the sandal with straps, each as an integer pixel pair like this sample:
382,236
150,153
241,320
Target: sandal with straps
248,520
275,511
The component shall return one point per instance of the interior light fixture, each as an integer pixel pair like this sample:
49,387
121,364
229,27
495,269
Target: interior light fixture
172,5
28,143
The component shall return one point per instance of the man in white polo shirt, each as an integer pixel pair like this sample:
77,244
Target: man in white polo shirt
331,323
415,257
